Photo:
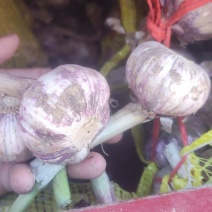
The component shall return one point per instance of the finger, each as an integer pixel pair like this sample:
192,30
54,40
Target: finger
21,178
115,139
92,167
8,46
4,178
32,73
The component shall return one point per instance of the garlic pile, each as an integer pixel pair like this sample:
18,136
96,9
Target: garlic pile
62,112
12,147
164,82
194,26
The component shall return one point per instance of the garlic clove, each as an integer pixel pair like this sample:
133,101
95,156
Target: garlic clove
62,113
164,82
12,147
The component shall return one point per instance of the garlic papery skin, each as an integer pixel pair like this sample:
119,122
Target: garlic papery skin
12,147
62,112
195,25
14,86
164,82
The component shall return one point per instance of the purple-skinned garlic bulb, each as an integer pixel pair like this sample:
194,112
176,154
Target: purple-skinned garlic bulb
195,25
164,82
12,147
62,113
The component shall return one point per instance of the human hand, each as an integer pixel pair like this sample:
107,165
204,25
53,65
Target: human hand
18,177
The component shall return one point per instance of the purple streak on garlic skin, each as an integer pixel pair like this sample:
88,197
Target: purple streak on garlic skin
62,155
164,82
12,147
62,113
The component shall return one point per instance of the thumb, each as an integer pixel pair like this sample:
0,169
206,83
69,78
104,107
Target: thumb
15,177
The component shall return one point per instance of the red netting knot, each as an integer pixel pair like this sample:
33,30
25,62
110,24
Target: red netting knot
159,27
157,30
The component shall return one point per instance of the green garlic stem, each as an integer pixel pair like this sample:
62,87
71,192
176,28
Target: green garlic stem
115,60
126,118
61,189
146,181
128,15
103,189
24,200
137,133
43,173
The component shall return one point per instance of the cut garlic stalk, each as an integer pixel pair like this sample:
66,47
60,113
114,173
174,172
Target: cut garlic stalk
14,86
126,118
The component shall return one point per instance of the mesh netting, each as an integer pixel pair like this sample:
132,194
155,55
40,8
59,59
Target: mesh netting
82,196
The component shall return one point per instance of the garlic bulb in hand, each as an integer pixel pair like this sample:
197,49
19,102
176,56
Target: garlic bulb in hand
12,147
164,82
62,112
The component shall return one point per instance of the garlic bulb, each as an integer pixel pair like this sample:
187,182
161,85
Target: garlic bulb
164,82
12,147
194,26
62,113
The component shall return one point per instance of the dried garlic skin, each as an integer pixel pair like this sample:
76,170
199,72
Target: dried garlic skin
164,82
12,147
62,113
194,26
